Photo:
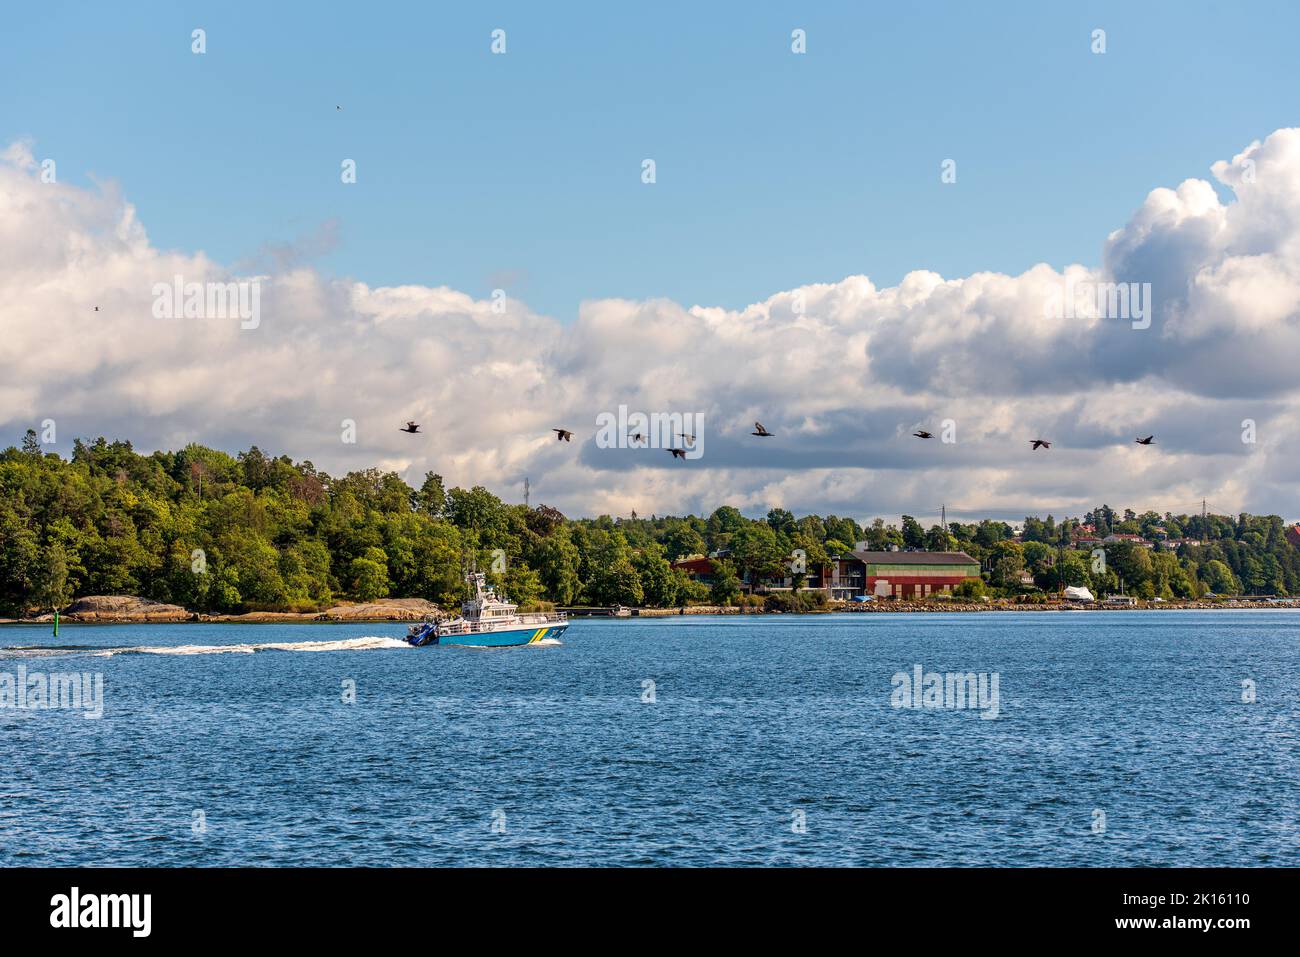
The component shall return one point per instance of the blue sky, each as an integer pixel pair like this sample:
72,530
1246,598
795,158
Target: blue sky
780,178
522,171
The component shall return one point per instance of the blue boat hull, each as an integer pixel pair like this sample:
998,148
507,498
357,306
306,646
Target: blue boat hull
494,639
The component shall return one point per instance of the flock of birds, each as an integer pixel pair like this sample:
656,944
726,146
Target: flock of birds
1035,444
566,435
688,440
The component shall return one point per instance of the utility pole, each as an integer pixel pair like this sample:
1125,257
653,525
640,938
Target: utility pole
943,520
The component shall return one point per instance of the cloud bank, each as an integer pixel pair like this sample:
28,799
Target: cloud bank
841,372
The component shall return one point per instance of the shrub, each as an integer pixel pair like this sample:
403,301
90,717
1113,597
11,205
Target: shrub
795,602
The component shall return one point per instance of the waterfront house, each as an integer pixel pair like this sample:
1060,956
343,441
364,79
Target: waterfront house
843,577
704,571
697,568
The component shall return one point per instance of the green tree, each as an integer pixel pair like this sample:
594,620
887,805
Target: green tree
913,534
1218,578
432,497
52,588
659,587
368,575
726,583
756,551
681,539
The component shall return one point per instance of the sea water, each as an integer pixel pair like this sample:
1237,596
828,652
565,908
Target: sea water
1119,738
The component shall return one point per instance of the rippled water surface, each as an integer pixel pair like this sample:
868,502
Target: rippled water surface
232,744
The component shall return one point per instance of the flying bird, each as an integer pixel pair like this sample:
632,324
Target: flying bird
1039,444
1147,441
410,427
686,439
922,434
677,453
563,435
636,437
759,430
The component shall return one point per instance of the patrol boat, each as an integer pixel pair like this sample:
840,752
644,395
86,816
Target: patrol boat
488,621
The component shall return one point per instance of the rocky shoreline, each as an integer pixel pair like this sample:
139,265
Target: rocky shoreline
940,607
125,609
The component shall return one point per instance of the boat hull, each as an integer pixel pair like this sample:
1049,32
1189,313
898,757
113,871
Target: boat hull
505,638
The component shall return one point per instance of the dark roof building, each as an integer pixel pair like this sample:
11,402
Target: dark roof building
915,574
915,558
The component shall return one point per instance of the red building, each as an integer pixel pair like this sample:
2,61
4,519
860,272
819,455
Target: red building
1293,535
915,574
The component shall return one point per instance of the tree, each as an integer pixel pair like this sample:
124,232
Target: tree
937,539
1069,571
1038,556
617,584
659,587
726,584
780,520
836,547
722,523
368,575
557,560
522,584
755,551
1219,578
681,539
1008,564
1131,562
913,534
478,510
52,587
432,497
31,444
611,577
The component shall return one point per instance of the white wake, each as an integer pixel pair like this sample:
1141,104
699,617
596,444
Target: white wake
346,644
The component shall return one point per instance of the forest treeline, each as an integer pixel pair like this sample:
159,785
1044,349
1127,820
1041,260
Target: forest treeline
221,533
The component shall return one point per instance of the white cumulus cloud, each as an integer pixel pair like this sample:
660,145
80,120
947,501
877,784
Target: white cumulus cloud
842,372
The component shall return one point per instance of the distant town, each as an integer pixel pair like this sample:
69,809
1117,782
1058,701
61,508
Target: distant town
210,533
1131,558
